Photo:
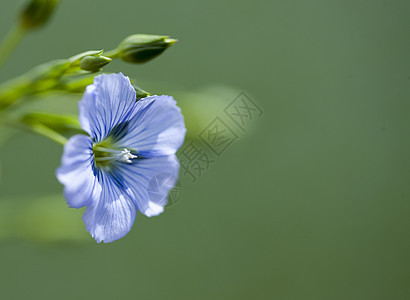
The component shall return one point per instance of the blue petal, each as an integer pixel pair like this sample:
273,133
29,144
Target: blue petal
156,129
111,217
109,101
77,172
139,178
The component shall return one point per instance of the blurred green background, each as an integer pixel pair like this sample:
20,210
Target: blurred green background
312,202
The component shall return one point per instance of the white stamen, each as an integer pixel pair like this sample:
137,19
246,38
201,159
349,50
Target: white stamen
125,156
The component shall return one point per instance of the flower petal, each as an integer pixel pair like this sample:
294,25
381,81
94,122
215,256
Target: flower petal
77,172
148,182
106,103
157,128
111,217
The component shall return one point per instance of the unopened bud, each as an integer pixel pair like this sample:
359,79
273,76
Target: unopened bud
37,12
140,93
140,48
94,63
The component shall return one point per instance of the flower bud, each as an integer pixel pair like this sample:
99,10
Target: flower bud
140,48
140,93
94,63
36,13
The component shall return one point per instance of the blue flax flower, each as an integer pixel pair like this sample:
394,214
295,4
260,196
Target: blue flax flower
129,143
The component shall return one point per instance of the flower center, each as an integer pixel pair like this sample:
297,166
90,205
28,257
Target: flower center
104,155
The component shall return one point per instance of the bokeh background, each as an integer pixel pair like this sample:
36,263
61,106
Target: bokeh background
311,202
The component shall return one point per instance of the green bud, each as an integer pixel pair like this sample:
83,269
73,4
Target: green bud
94,63
140,93
140,48
36,13
75,60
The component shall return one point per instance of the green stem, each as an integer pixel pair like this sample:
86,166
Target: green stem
37,128
111,54
48,133
10,42
39,79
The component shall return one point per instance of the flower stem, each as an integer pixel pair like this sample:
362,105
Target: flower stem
37,128
10,42
112,53
48,133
